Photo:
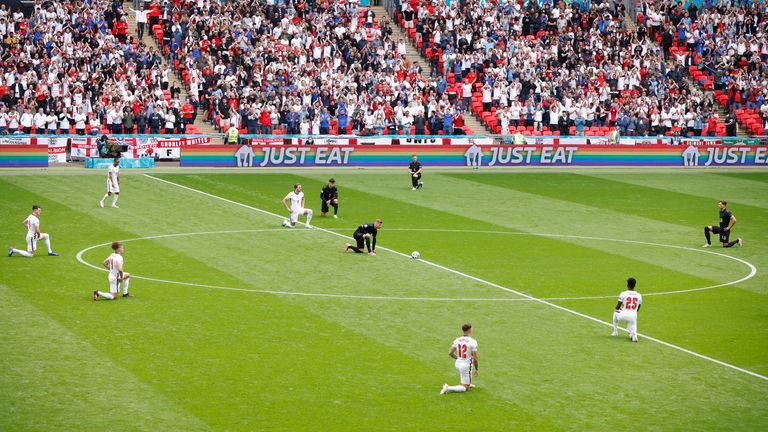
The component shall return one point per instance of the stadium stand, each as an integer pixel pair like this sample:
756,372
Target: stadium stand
334,67
72,67
723,46
570,69
302,68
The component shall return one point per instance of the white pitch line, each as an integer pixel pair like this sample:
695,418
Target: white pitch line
79,257
752,268
483,281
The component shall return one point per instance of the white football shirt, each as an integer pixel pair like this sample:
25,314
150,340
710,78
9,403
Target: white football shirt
464,346
114,262
113,170
295,199
32,223
630,300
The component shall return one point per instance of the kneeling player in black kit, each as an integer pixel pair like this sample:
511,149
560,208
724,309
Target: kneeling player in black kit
363,235
727,220
330,196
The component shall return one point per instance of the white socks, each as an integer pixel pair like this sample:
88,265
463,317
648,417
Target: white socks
456,389
114,199
22,253
125,286
105,295
47,240
309,216
102,199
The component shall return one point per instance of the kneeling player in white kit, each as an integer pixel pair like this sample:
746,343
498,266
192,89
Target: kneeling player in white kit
117,277
626,310
464,350
32,223
294,203
113,184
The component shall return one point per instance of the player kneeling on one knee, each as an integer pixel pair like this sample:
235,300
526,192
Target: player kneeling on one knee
626,310
294,203
464,351
117,277
329,196
32,224
365,237
727,221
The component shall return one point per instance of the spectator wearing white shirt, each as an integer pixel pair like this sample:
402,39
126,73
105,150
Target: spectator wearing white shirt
51,123
80,119
39,120
95,123
4,121
141,21
13,121
64,122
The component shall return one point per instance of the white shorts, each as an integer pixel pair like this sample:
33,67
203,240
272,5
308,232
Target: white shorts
465,372
31,243
114,284
111,189
295,215
628,317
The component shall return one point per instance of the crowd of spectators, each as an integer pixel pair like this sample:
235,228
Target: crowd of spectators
303,67
567,68
320,67
72,67
724,46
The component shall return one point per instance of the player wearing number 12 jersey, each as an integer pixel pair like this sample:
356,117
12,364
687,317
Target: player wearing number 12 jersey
626,310
464,350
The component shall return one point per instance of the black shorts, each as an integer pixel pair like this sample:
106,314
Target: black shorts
724,234
359,239
324,206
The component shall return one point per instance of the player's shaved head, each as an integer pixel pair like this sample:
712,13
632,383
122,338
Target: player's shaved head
631,282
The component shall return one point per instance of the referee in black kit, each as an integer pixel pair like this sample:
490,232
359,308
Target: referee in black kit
330,196
415,169
727,221
363,235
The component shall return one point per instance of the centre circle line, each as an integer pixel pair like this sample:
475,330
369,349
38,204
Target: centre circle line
753,269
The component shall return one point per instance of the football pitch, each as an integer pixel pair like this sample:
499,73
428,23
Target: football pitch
239,324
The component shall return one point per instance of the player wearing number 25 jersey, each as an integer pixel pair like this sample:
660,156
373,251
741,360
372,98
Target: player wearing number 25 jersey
464,351
626,310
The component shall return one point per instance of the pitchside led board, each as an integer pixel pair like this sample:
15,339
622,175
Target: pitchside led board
255,156
391,151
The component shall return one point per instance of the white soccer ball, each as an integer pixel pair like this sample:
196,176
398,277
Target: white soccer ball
415,255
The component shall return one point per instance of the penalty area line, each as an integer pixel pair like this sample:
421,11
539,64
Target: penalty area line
482,281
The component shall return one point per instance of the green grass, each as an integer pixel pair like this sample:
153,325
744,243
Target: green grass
231,357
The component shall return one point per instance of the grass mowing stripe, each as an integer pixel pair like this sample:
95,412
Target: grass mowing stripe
69,379
480,280
737,190
262,211
752,268
533,213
